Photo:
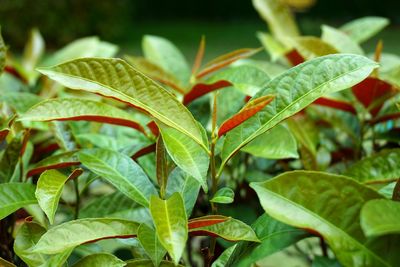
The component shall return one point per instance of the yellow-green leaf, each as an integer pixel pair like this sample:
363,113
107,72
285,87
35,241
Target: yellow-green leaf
170,220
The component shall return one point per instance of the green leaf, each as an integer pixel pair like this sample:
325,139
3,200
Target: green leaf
149,263
117,79
325,262
224,195
278,143
171,224
341,41
279,18
27,236
33,52
295,89
246,78
151,244
10,158
121,171
162,52
311,47
154,71
364,28
61,160
20,101
100,260
273,46
186,153
224,257
74,233
3,52
186,185
382,166
274,237
304,199
80,48
48,191
107,206
229,229
380,217
79,109
14,196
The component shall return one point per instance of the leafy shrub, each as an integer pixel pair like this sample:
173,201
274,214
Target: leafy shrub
150,153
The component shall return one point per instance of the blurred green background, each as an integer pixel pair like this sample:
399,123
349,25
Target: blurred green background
227,24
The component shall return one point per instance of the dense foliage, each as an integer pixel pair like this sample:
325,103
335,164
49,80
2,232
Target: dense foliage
144,161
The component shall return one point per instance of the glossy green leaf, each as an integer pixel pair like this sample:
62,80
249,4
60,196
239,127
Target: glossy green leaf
340,40
274,236
364,28
295,89
229,229
117,79
121,171
74,233
3,52
304,199
382,166
380,217
186,185
278,143
48,191
247,79
151,244
311,47
224,195
162,52
170,220
27,236
79,109
149,263
100,260
186,153
279,18
80,48
14,196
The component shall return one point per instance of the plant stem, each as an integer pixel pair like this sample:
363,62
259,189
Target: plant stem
78,199
214,180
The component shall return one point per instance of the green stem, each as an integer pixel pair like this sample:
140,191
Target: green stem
213,171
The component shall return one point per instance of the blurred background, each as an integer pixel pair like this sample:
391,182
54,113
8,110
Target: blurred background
226,24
